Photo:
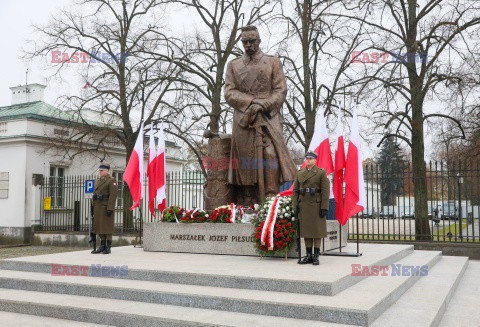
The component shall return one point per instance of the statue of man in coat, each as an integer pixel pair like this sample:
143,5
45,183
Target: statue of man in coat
104,197
255,87
310,198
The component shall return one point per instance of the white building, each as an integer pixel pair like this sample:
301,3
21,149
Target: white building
27,152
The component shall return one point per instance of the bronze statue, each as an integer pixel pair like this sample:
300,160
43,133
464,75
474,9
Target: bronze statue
255,87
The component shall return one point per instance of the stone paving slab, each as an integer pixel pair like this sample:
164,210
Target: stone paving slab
129,313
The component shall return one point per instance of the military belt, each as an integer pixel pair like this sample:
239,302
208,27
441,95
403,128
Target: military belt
99,197
310,190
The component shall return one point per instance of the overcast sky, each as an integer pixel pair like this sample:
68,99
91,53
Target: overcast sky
16,18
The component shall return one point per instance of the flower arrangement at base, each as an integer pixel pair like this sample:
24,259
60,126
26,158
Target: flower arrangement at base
194,216
280,233
223,214
171,212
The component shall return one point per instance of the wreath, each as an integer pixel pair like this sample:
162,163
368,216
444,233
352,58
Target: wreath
284,228
223,214
171,212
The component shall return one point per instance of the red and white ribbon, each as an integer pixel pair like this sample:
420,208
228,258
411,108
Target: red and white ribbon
233,211
268,227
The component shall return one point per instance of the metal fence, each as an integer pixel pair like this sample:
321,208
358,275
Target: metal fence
69,207
453,194
453,201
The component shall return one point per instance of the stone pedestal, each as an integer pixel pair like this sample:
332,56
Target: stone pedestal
232,239
217,191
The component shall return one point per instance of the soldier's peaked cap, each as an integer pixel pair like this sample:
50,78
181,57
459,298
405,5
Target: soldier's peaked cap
311,155
104,166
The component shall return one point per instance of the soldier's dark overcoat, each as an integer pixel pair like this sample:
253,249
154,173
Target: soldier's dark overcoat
103,224
311,224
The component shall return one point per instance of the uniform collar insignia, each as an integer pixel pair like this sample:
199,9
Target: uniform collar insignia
255,59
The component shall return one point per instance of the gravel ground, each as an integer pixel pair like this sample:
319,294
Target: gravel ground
26,251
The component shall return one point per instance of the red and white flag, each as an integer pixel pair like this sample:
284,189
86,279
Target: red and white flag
160,180
319,144
133,175
354,183
152,190
339,166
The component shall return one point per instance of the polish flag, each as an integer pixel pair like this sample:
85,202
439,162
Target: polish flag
160,171
339,166
355,185
152,190
133,175
319,144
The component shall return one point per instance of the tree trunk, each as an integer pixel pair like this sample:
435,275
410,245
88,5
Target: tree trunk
422,228
309,111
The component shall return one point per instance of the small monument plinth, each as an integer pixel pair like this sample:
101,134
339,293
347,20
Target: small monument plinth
209,238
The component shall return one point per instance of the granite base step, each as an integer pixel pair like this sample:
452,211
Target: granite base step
240,272
358,305
11,319
425,303
130,313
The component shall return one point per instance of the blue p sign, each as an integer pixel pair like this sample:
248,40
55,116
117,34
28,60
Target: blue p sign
89,185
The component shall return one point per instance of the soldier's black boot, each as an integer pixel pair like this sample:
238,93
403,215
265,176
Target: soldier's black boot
100,248
316,253
308,258
107,249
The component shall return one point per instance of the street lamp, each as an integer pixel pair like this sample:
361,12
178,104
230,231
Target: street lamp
460,182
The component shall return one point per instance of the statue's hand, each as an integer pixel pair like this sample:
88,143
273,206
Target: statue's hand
254,109
250,115
264,103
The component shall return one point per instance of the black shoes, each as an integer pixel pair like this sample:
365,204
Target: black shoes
107,249
101,247
308,258
315,256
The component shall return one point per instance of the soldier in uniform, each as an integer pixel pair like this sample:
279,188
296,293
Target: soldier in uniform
255,87
310,198
104,197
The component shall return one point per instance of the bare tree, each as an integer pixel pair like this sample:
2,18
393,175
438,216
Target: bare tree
317,73
202,58
126,82
418,36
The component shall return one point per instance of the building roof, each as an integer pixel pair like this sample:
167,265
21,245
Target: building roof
33,84
45,112
37,110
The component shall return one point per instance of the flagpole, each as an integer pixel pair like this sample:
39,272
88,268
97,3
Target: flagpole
140,245
358,242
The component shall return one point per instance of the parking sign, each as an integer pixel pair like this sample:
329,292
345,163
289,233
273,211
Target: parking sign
89,185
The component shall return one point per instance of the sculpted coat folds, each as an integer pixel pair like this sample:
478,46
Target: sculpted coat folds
255,87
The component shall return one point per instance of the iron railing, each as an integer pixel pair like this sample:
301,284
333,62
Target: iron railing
389,214
453,202
70,208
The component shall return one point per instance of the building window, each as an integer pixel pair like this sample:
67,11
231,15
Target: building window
120,183
56,184
3,128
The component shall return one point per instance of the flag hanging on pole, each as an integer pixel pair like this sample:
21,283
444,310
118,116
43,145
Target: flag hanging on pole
339,166
319,144
160,179
152,190
133,175
354,183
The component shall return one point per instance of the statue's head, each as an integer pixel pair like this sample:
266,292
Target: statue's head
250,39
